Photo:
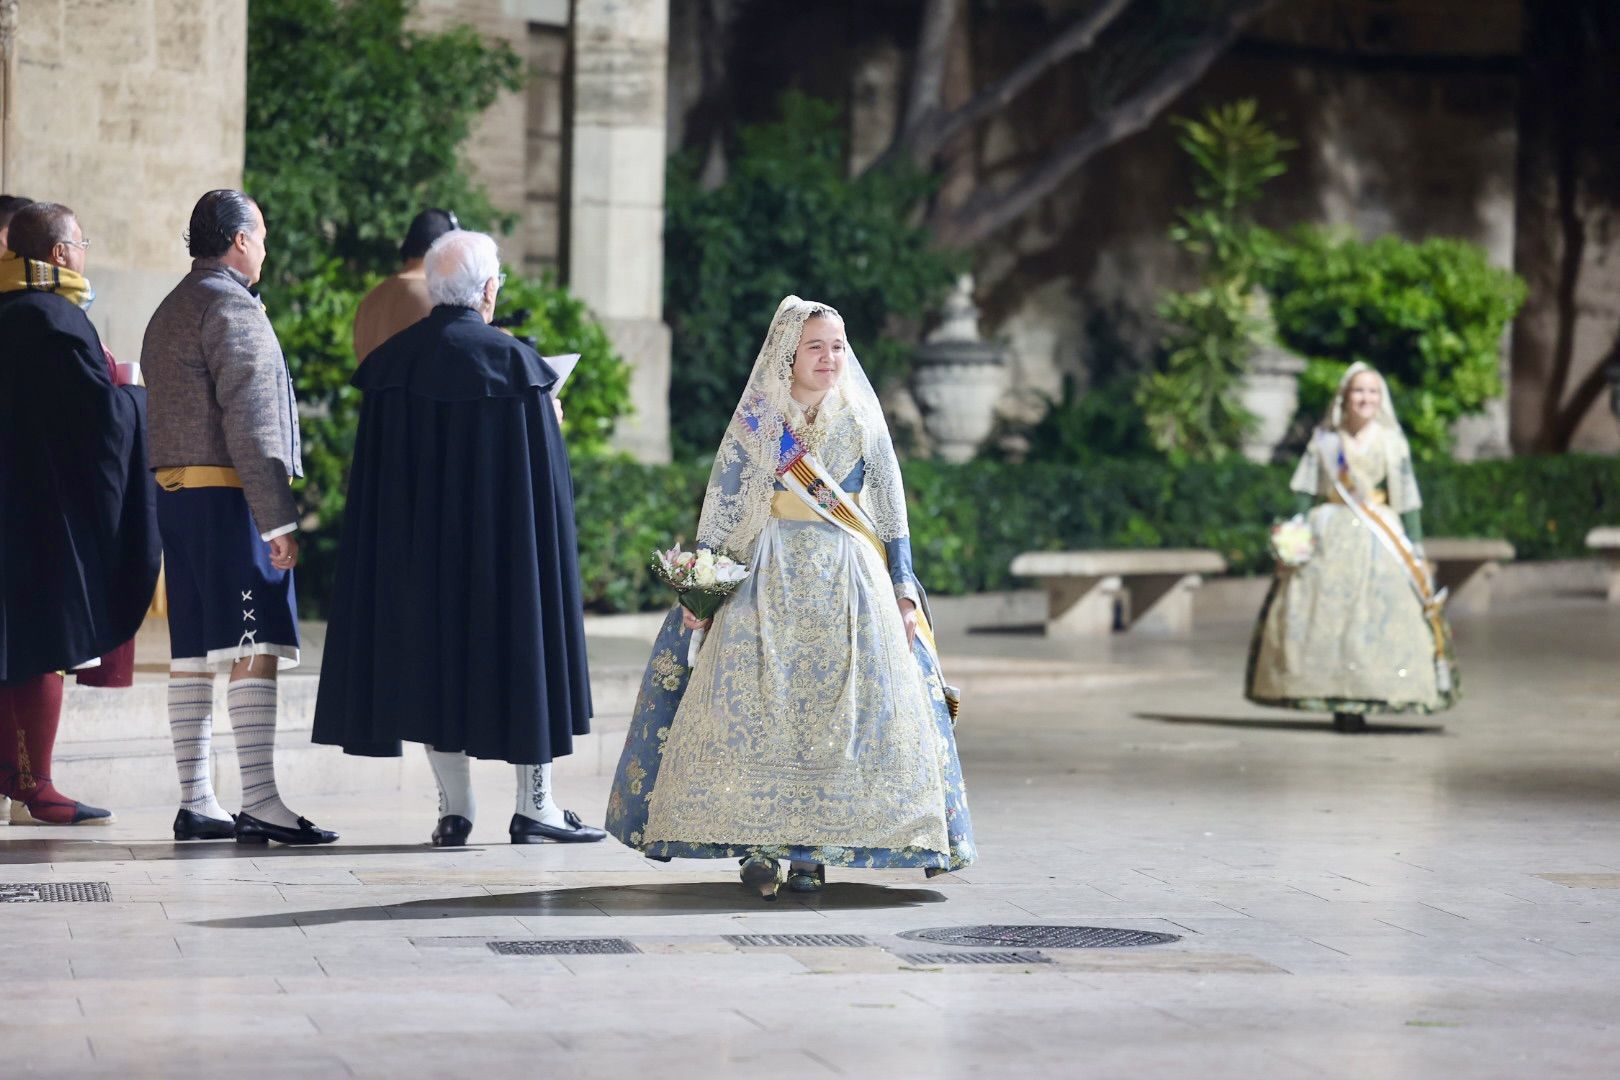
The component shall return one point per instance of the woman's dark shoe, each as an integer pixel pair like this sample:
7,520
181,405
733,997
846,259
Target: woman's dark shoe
190,825
59,812
452,831
526,830
762,875
250,830
801,880
1349,723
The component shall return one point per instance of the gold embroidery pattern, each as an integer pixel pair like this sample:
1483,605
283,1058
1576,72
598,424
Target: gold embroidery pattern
807,720
668,669
1346,626
25,767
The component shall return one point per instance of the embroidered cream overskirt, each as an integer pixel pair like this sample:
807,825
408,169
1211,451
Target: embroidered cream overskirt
807,721
1347,626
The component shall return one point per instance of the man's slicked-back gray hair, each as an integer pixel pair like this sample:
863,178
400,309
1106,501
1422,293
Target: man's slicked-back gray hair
457,266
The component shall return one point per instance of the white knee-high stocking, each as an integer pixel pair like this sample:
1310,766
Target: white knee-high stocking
252,705
191,726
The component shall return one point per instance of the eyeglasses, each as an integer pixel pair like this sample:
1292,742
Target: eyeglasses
76,243
500,280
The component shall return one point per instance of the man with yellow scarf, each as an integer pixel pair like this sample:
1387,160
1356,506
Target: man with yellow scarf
78,524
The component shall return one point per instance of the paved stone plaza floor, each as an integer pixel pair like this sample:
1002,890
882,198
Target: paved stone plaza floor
1409,903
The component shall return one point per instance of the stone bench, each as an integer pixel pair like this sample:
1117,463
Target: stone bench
1604,542
1466,567
1152,589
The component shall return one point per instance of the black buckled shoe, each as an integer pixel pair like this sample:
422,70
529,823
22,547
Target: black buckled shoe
526,830
250,830
452,831
190,825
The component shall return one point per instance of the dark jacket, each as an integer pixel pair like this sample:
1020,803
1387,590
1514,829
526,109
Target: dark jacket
456,617
78,524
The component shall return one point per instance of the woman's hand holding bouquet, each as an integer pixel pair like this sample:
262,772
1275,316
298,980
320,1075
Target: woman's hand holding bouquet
1292,542
702,580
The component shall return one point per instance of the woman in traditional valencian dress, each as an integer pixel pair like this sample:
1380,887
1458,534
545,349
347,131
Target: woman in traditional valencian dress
1357,628
815,727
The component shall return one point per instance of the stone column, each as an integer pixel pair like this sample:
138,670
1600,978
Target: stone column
127,113
616,211
9,12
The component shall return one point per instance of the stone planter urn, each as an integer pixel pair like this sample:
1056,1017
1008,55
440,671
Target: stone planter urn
958,378
1270,391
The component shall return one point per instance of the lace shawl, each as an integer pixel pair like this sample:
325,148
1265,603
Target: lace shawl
1314,476
737,505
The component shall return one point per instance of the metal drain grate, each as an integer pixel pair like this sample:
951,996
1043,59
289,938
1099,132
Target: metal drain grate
1041,937
798,940
1005,957
593,946
52,892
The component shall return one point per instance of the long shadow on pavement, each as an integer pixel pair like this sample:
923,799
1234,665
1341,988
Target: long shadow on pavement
676,898
77,850
1261,724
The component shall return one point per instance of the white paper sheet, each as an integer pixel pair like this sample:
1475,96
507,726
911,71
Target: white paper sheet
564,367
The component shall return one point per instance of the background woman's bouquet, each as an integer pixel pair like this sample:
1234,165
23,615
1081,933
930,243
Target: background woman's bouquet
1292,541
702,580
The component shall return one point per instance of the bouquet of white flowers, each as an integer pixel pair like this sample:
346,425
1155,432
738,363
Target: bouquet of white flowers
702,580
1292,541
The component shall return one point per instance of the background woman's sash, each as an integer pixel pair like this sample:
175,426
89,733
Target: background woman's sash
1397,545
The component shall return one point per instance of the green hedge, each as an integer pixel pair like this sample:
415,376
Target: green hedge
969,521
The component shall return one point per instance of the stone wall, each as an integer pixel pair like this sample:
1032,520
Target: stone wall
127,111
514,149
1405,112
1401,129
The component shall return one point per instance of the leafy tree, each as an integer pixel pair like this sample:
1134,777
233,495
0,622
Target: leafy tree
1429,316
787,219
355,123
558,322
1192,405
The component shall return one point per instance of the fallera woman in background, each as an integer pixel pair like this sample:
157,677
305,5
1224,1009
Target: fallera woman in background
814,728
1356,629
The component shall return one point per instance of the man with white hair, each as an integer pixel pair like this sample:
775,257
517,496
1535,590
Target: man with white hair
457,620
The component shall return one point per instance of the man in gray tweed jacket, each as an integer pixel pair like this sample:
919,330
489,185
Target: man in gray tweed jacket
223,437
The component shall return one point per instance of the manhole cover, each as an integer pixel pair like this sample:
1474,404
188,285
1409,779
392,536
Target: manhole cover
1041,937
1005,957
564,947
51,892
798,940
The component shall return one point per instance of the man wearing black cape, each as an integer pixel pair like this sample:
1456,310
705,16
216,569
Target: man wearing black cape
78,524
456,618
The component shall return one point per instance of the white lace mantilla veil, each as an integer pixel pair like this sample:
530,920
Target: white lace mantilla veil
1386,402
1398,454
737,505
